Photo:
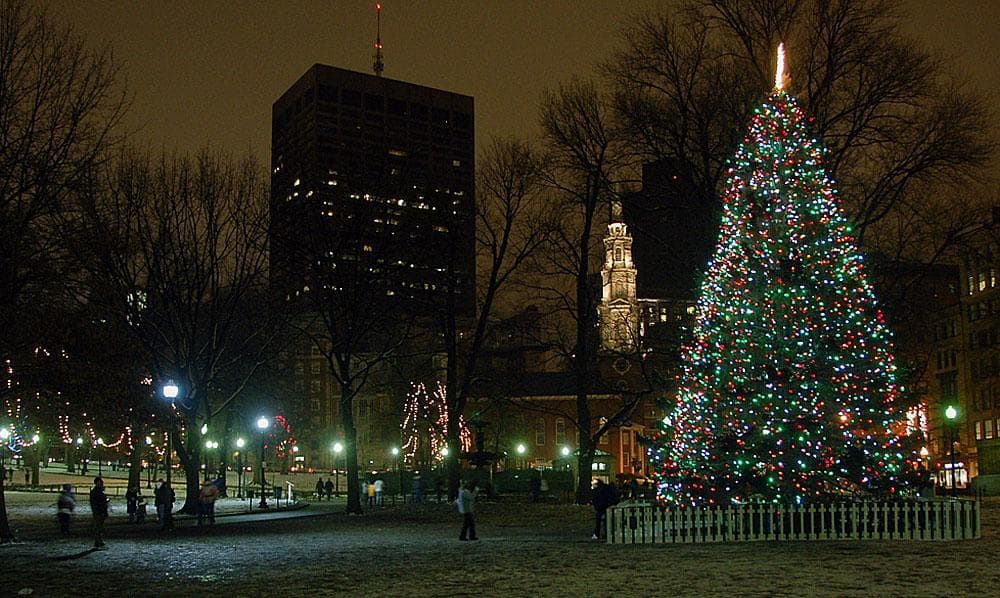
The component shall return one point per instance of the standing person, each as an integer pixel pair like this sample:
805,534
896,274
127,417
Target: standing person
329,489
319,488
206,501
131,503
370,491
466,503
165,505
535,486
602,496
65,505
379,486
99,509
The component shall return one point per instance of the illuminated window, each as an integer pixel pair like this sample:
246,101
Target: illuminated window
979,430
560,431
540,431
988,432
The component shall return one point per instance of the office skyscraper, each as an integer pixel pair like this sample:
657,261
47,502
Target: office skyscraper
382,173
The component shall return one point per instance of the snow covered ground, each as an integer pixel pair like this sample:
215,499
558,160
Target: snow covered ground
526,550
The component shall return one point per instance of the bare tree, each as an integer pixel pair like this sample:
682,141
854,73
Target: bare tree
587,160
894,122
512,223
174,249
60,107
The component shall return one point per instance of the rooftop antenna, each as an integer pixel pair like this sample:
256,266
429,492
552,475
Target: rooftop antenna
379,66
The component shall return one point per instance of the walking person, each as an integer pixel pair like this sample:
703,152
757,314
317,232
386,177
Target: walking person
99,509
466,503
319,488
602,497
65,505
206,502
369,487
329,488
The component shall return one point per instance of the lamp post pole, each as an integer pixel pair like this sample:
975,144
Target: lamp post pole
170,391
262,425
100,456
399,468
337,449
239,476
951,413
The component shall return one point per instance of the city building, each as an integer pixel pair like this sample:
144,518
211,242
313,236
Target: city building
373,171
372,202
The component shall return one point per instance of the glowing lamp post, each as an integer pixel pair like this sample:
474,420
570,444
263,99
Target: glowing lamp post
398,465
520,449
210,445
952,414
565,451
240,443
149,472
263,424
170,392
337,449
100,456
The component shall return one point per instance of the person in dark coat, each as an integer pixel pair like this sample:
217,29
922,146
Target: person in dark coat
319,488
329,489
602,497
535,486
165,498
99,509
131,503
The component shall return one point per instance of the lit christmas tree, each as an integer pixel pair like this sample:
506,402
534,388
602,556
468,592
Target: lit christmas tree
788,389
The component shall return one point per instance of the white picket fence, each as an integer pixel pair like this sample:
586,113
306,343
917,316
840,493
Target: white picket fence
914,519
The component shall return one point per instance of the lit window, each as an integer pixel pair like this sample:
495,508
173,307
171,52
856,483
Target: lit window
979,430
297,182
988,432
560,431
456,162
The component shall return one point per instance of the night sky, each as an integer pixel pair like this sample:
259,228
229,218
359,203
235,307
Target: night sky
207,72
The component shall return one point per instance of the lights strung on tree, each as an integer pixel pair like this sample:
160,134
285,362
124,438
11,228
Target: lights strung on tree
788,390
425,422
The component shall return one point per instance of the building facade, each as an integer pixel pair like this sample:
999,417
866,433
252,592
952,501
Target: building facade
375,171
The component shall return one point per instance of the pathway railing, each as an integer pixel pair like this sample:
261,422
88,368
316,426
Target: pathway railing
914,519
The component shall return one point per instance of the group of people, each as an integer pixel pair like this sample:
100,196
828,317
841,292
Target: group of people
324,488
372,490
135,507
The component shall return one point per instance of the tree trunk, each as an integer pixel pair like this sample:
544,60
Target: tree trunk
350,448
6,534
135,466
189,456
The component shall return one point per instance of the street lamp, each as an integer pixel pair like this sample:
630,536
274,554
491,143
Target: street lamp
209,445
79,447
337,449
240,443
149,462
521,450
952,413
262,425
565,451
100,456
170,392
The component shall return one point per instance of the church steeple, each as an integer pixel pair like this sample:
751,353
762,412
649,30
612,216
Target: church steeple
618,312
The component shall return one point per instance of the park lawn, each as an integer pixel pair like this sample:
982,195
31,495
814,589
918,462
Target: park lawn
526,550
